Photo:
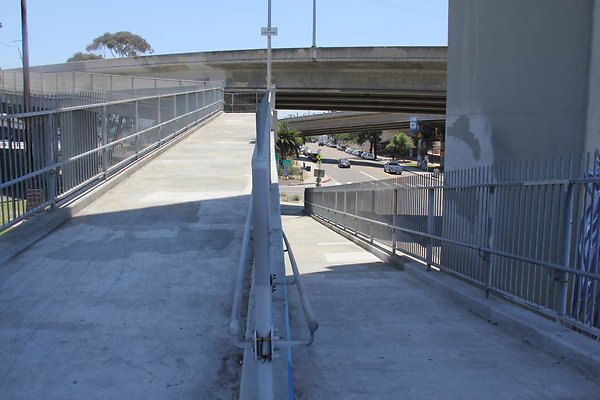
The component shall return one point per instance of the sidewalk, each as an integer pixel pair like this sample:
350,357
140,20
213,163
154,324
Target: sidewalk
384,334
130,298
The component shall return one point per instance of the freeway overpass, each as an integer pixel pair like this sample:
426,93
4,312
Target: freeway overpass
390,79
349,121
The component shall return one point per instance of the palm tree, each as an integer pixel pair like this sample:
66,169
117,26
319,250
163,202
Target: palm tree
288,141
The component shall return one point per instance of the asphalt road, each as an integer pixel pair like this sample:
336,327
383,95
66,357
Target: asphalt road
360,171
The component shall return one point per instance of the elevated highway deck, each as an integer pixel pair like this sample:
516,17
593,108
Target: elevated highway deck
390,79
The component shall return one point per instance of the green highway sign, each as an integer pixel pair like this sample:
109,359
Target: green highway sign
287,162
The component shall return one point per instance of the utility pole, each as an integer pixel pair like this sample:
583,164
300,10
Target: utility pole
25,43
269,49
313,49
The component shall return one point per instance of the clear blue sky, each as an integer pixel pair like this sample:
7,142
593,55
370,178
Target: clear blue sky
59,28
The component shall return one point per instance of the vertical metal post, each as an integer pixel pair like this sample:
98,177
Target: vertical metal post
491,223
269,56
430,219
356,212
187,110
158,122
335,207
137,129
394,218
25,45
104,140
313,49
566,251
51,177
176,121
372,215
345,208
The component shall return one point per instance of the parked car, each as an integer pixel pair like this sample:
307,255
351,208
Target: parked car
344,163
349,150
369,156
356,153
363,154
393,167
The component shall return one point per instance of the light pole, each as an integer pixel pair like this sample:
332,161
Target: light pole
24,34
269,49
313,49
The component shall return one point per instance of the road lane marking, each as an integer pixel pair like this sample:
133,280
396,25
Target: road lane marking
376,179
370,176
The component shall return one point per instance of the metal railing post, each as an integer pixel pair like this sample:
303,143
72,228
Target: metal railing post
51,177
372,214
176,122
487,257
158,121
566,251
356,212
345,208
104,140
137,129
430,218
394,218
187,110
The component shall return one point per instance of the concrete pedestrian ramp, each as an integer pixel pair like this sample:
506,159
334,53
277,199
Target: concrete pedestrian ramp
130,298
386,335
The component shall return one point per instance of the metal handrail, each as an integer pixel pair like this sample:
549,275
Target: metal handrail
309,314
234,322
483,249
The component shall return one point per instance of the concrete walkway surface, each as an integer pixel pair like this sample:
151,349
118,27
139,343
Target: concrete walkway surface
384,334
130,299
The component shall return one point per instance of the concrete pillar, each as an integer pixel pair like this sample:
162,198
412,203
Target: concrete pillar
518,80
593,117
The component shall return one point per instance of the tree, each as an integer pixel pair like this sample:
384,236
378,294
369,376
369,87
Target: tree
288,141
400,143
373,137
79,56
123,44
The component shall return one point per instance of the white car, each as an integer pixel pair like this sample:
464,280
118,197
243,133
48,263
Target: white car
393,167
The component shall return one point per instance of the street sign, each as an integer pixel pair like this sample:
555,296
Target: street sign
319,173
287,162
414,124
268,31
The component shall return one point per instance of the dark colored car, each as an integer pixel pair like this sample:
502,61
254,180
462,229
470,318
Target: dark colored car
344,163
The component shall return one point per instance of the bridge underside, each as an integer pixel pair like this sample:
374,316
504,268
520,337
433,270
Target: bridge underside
348,122
362,100
414,102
